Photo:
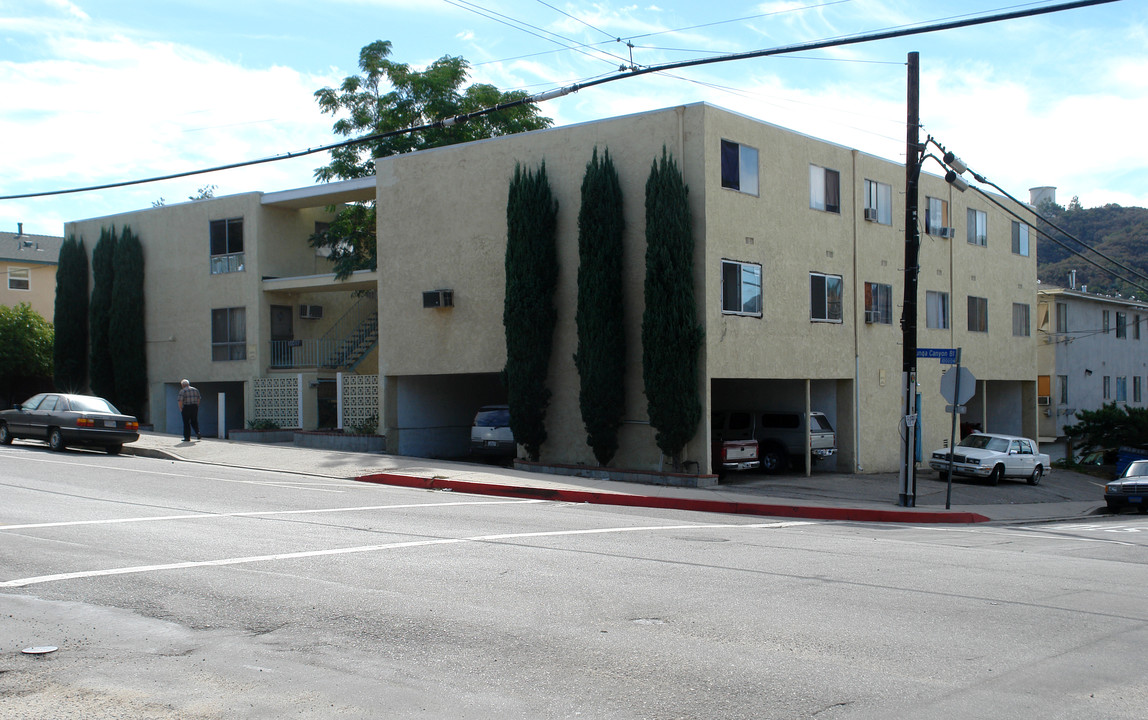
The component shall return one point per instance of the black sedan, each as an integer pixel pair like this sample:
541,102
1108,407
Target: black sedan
62,420
1130,489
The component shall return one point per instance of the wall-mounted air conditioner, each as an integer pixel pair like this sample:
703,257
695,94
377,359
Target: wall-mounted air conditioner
947,233
438,298
1043,400
311,312
871,214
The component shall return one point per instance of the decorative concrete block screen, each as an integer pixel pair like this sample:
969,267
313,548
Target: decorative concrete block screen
360,399
277,399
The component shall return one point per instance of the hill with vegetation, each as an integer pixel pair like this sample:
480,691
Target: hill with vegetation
1121,233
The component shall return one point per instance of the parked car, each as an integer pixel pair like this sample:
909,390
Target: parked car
62,420
734,455
780,435
490,435
1131,488
995,457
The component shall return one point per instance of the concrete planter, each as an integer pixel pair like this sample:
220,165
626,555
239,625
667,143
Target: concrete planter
340,441
261,436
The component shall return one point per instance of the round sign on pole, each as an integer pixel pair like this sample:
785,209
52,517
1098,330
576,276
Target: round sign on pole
949,385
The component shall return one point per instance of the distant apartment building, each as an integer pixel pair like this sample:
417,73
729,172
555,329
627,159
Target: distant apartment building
1092,350
28,267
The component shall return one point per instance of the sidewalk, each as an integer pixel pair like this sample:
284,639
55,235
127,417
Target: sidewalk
1062,494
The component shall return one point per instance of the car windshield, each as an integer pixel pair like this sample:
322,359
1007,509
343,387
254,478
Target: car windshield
492,417
985,442
1136,468
84,403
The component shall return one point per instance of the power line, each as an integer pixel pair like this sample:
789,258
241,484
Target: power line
560,92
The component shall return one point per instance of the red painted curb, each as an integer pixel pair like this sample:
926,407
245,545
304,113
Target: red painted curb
670,503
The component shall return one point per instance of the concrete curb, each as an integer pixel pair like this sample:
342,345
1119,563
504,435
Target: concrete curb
670,503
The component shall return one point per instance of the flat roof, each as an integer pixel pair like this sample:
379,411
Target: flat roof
333,193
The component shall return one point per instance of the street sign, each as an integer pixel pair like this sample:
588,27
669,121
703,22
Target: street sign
949,383
947,356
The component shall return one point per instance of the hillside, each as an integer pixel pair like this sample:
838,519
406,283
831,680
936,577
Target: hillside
1121,233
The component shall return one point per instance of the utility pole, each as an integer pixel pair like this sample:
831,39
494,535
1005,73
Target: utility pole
908,480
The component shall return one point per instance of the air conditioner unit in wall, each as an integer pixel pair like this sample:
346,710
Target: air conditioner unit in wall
947,233
871,214
1042,400
311,312
438,298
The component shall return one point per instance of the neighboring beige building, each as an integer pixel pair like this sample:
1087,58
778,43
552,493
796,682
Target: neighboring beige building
28,267
805,234
1092,350
235,297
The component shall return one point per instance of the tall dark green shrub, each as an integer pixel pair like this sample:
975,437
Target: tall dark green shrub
529,314
70,353
100,366
671,335
126,325
601,355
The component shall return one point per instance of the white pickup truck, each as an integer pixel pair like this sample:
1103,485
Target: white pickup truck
991,456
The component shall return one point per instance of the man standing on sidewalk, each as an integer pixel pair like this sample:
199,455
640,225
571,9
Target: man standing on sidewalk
188,401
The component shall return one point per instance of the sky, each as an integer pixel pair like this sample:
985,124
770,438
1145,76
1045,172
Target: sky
105,92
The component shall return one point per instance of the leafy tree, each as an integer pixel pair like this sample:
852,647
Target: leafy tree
26,341
70,356
601,355
126,325
671,335
100,366
529,315
390,96
1111,426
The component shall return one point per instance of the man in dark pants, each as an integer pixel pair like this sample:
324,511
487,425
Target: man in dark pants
188,401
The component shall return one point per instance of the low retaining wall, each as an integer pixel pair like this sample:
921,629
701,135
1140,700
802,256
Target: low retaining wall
261,436
647,477
340,441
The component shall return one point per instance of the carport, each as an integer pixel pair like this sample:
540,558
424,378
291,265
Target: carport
430,415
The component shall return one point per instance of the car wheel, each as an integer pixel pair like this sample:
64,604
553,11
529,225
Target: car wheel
5,436
996,475
1037,474
772,459
56,440
114,449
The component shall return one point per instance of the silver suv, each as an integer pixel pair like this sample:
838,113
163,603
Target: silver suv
490,435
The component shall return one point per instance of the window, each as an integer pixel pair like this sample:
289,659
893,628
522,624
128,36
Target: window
1136,327
824,189
1121,325
937,217
978,314
19,278
229,334
1121,389
878,303
1107,388
937,310
738,167
1061,317
1136,396
1019,238
1062,385
740,288
226,246
825,293
1020,325
978,230
1105,321
878,202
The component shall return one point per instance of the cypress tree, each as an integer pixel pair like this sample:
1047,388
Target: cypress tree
671,335
70,352
99,312
601,355
528,314
126,325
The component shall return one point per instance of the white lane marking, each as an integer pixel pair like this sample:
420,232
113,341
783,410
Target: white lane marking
1045,534
258,513
24,582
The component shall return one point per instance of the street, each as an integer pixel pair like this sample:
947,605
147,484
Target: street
180,590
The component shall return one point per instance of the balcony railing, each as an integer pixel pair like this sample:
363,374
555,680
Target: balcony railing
348,340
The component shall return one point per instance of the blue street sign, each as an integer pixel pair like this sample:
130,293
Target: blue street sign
947,356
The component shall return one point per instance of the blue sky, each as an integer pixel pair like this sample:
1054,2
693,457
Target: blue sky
98,92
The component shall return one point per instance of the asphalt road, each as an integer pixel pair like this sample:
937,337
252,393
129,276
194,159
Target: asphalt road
175,590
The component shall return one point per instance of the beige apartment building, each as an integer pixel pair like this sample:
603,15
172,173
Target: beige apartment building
799,256
798,278
28,267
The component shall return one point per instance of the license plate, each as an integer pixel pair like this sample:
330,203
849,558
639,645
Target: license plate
1136,499
109,423
492,443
